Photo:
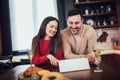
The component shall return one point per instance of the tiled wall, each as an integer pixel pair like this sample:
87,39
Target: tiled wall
113,33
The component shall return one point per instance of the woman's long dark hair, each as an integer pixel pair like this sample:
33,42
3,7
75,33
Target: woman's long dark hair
55,42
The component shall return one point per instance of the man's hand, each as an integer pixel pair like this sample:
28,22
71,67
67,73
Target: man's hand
91,58
52,60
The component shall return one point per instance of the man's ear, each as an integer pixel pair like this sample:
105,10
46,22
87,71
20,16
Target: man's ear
82,20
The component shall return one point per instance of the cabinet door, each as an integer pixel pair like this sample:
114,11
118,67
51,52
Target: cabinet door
0,43
98,13
118,11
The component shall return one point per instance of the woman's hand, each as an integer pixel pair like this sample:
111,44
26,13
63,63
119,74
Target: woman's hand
52,60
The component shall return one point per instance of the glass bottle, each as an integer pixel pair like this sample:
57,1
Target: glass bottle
104,22
86,11
98,23
108,8
102,9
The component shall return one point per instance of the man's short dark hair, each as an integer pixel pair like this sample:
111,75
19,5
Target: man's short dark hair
73,12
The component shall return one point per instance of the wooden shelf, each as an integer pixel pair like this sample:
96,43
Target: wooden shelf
99,14
106,26
92,2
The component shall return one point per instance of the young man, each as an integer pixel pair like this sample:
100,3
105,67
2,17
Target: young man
78,38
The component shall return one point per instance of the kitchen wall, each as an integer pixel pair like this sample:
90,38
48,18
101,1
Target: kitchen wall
113,35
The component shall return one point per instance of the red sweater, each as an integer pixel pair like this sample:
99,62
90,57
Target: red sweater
41,57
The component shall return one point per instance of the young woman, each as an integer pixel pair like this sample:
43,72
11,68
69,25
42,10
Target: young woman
46,45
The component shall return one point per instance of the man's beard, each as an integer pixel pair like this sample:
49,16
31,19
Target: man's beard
74,30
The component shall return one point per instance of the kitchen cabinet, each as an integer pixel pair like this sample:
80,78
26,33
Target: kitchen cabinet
0,43
98,13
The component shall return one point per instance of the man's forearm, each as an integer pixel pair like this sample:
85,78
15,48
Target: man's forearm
71,56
